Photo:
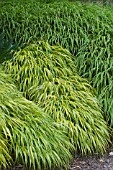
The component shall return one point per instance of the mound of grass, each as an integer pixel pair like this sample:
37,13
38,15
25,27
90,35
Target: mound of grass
46,75
27,134
86,30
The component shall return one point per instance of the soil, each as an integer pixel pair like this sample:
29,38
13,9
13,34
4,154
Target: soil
94,162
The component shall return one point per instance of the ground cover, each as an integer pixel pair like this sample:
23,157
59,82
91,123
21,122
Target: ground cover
84,29
45,75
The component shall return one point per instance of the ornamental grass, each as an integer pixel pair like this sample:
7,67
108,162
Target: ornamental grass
46,75
84,29
28,136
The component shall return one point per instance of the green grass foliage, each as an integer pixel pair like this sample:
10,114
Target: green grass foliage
5,158
46,75
27,135
86,30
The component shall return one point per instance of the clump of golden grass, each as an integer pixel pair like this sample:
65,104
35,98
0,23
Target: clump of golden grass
84,29
46,75
28,135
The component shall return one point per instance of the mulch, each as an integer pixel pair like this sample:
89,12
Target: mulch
94,162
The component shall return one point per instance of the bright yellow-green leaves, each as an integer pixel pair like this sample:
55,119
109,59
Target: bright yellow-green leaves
46,75
86,30
28,133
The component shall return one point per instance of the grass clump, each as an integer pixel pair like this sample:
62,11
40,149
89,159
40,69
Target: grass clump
46,75
28,135
84,29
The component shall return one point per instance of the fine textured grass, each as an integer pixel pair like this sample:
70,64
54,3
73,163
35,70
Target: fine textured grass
27,134
46,74
86,30
70,24
5,158
96,63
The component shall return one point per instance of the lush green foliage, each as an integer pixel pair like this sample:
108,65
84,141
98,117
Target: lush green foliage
31,136
5,158
85,29
46,74
70,24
